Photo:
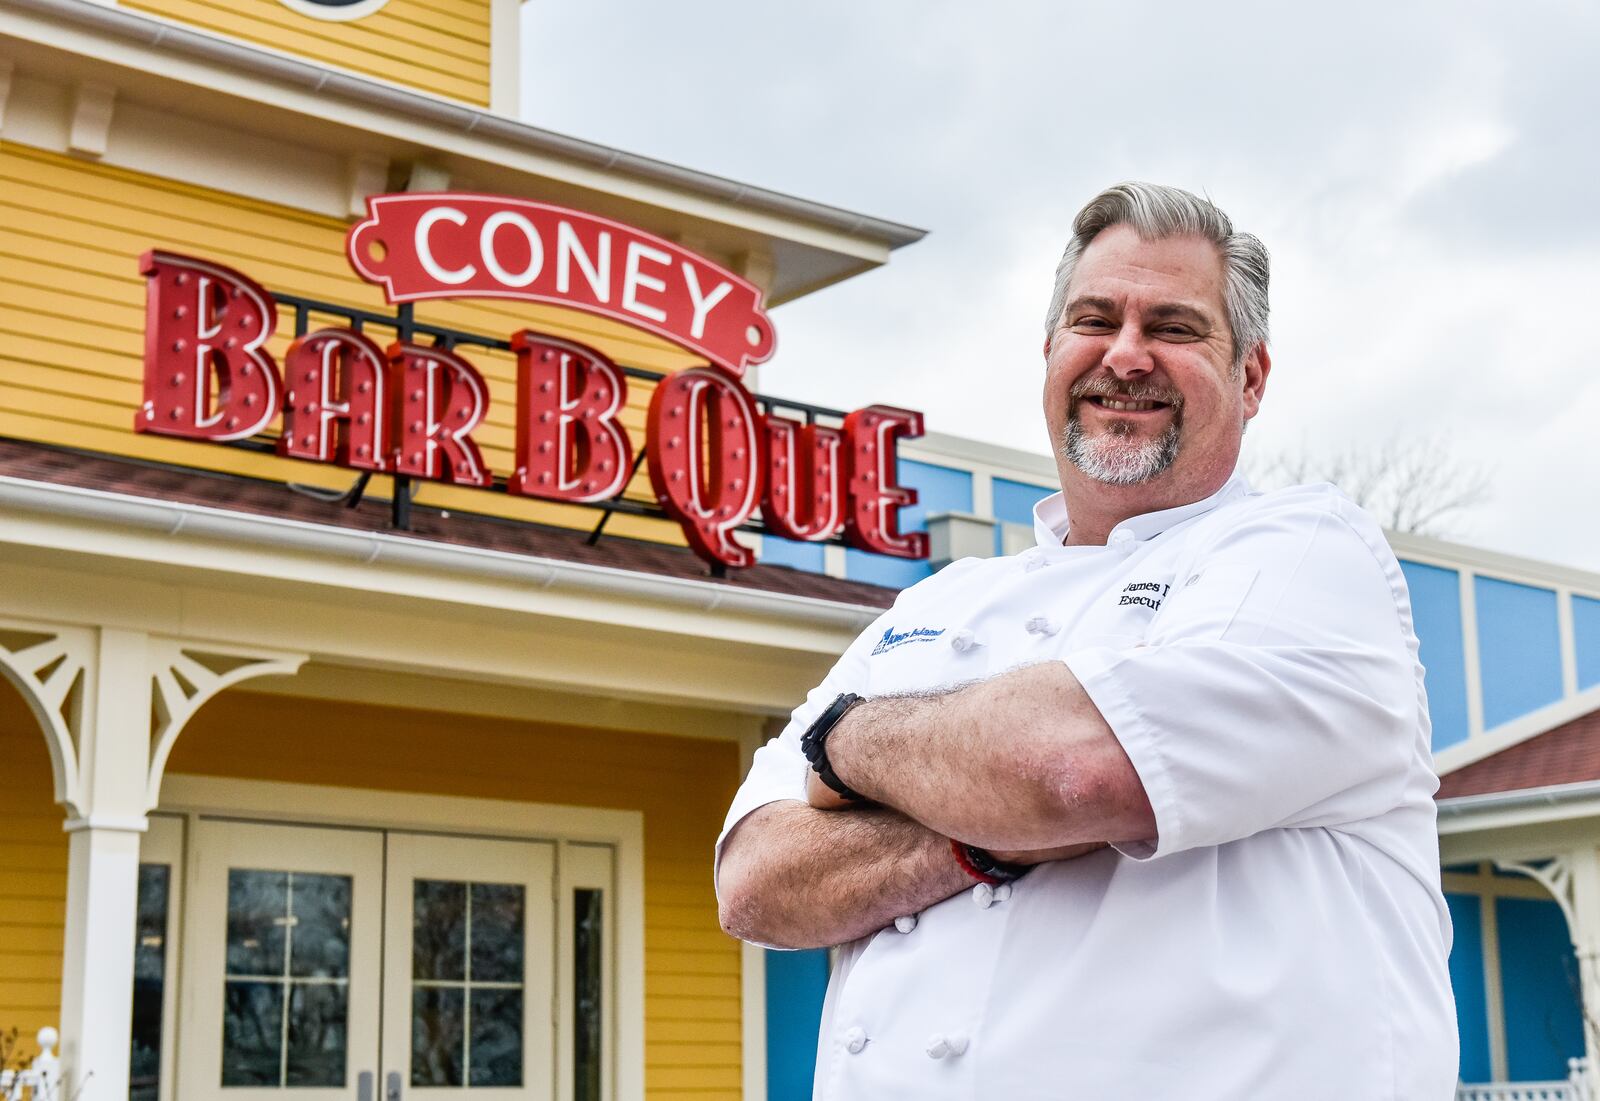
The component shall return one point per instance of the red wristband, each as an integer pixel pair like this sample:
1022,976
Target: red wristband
966,865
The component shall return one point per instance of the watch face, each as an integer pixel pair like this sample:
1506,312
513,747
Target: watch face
335,10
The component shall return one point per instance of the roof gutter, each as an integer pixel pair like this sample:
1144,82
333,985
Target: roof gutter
149,31
377,549
1464,807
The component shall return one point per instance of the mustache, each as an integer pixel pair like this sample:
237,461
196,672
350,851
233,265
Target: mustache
1103,386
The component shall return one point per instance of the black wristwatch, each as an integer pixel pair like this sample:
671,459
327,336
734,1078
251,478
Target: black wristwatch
814,744
984,862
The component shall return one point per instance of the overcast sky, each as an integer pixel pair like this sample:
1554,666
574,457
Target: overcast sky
1424,175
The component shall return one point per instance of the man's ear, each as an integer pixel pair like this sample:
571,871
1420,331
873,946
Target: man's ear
1047,347
1255,369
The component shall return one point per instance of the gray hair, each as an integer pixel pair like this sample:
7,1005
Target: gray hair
1156,212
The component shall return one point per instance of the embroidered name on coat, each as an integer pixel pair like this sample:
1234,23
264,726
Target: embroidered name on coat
1147,593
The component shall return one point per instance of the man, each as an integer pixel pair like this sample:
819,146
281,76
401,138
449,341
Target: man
1182,745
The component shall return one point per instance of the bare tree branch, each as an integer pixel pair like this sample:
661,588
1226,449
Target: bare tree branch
1416,485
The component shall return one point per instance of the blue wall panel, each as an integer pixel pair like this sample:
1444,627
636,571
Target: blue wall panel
796,983
1544,1025
940,489
1013,504
1466,977
1436,608
1586,633
786,552
1519,647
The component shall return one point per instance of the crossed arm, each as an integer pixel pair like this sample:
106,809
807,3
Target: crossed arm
1022,764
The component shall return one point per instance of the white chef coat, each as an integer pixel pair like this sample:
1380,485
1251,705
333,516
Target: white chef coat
1284,936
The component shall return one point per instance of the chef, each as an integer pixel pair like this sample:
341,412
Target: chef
1145,811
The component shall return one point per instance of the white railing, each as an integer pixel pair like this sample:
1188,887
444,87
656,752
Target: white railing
42,1080
1576,1087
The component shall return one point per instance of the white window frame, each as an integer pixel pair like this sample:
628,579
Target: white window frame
582,835
163,843
343,13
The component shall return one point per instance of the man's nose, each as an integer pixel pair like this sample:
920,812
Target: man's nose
1128,356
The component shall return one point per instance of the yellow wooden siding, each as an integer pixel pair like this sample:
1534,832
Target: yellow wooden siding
72,323
682,786
437,46
33,876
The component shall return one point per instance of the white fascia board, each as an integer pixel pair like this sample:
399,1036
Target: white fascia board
388,564
177,52
1459,556
1507,809
1518,730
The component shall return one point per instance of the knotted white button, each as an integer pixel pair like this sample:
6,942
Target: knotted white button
855,1040
1035,561
906,924
1041,625
940,1045
1123,542
962,641
1002,892
983,895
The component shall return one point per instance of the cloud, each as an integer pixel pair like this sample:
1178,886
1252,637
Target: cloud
1420,173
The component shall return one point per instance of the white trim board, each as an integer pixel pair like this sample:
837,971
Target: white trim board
1516,731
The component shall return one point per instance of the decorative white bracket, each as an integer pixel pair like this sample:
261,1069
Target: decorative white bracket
48,664
7,70
54,666
1554,876
92,106
366,174
186,676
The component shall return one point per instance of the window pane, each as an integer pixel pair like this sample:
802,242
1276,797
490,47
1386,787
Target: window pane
258,916
496,1038
438,930
588,937
252,1034
317,1035
496,932
321,938
149,982
437,1036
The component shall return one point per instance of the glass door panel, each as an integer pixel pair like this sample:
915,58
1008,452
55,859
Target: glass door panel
468,968
282,961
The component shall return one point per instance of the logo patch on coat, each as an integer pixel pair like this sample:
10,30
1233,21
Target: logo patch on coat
892,638
1147,593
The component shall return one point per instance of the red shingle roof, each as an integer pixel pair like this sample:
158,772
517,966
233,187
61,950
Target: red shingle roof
1568,754
110,474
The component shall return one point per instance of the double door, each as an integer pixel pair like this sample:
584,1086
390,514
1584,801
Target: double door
367,965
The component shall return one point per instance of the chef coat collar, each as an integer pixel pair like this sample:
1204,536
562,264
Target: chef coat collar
1050,516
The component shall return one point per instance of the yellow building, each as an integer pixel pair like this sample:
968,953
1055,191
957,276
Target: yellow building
352,809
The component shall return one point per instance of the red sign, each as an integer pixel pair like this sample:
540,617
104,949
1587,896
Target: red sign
454,245
408,409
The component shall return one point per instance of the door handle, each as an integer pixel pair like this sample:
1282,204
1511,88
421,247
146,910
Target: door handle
391,1090
364,1086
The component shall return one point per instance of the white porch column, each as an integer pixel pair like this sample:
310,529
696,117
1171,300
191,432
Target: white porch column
111,703
103,868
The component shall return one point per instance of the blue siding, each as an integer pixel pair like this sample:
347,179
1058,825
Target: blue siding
786,552
1519,647
940,489
1538,973
796,982
1586,633
1013,504
1466,977
1436,608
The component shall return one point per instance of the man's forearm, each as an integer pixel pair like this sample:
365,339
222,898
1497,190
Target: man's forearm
796,877
1023,760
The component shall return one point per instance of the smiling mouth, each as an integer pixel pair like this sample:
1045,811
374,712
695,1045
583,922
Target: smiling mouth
1119,405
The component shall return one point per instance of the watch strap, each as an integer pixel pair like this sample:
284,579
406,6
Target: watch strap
814,744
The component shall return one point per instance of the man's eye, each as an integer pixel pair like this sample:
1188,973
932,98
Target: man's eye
1176,330
1091,323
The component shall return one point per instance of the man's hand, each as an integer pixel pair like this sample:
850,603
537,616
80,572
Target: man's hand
823,797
